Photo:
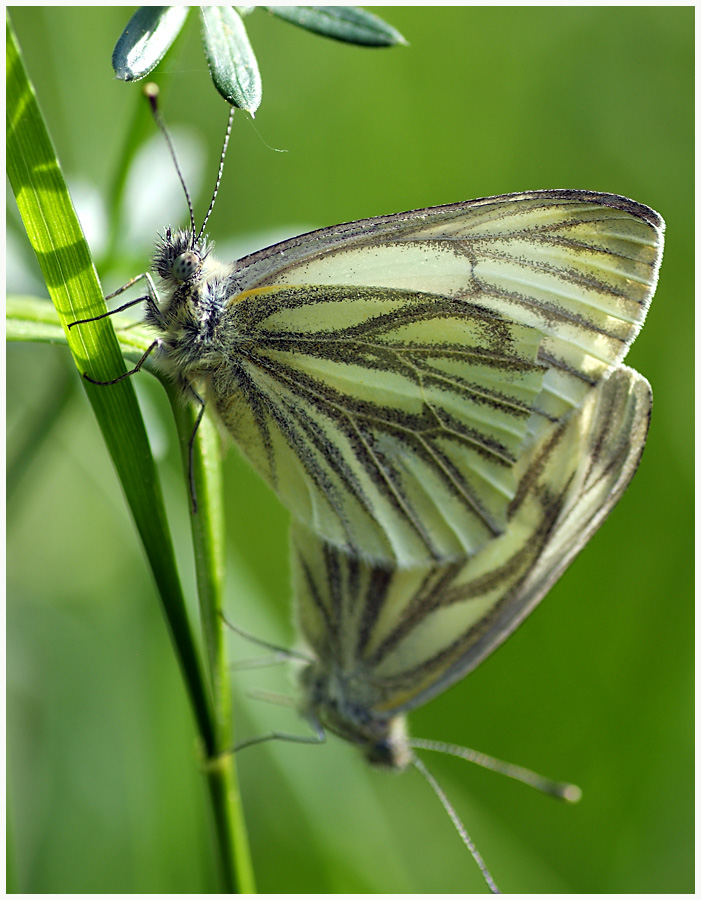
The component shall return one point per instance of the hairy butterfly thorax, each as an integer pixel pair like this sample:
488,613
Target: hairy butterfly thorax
191,298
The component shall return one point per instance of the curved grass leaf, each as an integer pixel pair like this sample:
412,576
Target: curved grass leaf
64,257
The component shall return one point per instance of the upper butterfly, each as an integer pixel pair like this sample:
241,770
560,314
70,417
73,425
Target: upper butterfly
385,376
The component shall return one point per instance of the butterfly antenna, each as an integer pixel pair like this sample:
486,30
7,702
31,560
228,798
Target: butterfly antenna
151,92
564,791
462,831
219,174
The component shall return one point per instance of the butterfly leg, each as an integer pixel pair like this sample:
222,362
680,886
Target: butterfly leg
288,654
318,738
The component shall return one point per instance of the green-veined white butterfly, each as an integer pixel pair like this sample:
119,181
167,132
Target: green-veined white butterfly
386,376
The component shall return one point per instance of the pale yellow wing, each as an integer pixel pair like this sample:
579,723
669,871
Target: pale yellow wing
382,373
579,266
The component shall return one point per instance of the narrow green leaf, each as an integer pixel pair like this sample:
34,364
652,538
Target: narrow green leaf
344,23
146,40
34,319
232,63
208,539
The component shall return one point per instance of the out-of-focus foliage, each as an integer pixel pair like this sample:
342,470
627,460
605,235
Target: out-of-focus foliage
596,688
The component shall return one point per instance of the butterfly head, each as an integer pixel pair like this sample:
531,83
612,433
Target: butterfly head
336,702
178,257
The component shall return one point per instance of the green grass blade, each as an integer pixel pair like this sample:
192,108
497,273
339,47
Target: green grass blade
208,541
56,237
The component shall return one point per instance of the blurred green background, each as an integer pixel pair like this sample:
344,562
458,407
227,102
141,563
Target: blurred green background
596,687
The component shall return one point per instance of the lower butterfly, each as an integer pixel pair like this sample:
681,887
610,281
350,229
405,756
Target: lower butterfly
387,377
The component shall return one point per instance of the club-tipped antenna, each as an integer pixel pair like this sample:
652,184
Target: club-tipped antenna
151,92
562,790
219,173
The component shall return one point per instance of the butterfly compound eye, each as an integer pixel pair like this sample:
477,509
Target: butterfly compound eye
186,265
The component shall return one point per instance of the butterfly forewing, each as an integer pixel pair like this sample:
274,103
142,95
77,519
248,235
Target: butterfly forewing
615,442
581,267
394,638
358,395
